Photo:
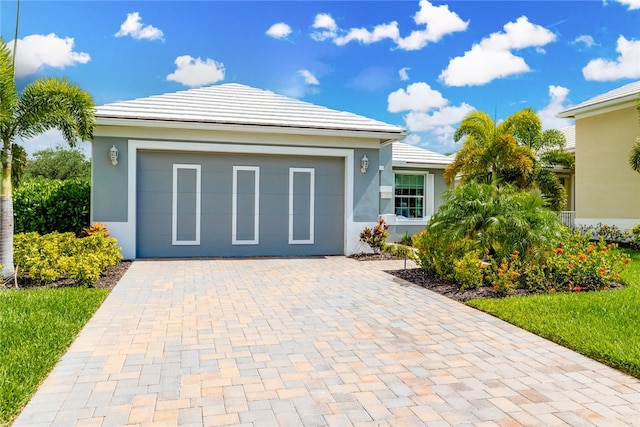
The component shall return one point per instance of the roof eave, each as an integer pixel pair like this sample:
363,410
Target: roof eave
592,109
383,136
417,165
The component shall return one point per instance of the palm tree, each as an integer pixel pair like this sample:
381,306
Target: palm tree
47,103
515,151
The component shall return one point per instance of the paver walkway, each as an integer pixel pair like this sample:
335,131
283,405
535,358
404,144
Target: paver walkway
313,342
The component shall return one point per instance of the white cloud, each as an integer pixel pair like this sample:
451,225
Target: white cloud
428,112
438,21
626,66
279,31
36,52
309,78
492,58
631,4
557,103
412,139
362,35
403,73
586,39
445,117
326,25
417,97
133,26
194,72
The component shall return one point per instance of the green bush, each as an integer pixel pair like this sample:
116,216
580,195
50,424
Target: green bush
610,233
55,256
509,240
47,206
468,271
635,236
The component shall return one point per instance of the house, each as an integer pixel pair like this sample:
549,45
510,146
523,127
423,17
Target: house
606,189
231,170
417,186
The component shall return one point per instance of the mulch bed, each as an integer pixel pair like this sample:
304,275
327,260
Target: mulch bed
421,278
108,280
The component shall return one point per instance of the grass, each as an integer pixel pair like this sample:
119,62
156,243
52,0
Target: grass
601,325
36,327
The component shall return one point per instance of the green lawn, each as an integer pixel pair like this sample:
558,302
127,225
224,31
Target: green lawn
602,325
36,327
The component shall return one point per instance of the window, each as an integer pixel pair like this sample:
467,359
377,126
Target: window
413,195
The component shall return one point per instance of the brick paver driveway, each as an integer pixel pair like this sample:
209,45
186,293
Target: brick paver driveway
312,342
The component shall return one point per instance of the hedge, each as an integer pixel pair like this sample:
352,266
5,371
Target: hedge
47,206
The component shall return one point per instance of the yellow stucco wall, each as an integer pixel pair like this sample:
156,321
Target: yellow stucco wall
605,186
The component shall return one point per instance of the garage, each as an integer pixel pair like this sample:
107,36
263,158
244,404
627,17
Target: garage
235,171
220,204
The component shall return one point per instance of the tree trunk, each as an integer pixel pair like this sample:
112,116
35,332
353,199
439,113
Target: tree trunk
6,217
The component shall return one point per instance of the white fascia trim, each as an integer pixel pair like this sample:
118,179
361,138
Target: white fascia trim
174,205
256,206
312,196
126,233
383,136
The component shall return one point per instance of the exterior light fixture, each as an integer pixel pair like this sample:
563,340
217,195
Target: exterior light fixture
113,155
364,164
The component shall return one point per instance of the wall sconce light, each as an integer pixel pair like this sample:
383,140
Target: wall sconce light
113,155
364,164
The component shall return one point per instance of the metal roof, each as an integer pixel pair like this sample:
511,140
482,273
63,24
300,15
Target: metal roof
570,135
410,155
622,94
236,104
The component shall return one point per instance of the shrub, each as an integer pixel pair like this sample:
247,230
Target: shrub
375,237
406,240
55,256
610,233
498,220
468,272
47,206
635,236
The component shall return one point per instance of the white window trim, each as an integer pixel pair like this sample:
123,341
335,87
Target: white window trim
429,199
174,207
312,173
256,206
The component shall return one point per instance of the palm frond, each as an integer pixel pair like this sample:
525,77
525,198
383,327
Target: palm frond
634,156
8,95
55,103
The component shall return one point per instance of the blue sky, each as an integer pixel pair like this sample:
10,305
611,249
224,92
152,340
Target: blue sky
418,64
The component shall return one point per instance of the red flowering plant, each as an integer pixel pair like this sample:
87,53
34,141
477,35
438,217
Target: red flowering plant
579,264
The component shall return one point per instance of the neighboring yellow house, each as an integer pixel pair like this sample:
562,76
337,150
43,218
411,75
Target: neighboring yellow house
606,189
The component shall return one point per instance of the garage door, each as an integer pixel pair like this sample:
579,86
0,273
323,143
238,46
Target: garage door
197,204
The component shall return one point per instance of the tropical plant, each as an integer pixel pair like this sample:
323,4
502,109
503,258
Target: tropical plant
498,220
47,103
515,151
375,237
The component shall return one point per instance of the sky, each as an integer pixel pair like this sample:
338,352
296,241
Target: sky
418,64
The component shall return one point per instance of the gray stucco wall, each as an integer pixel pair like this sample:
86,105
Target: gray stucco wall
366,187
109,183
386,177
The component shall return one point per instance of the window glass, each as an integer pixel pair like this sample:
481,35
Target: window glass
409,196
